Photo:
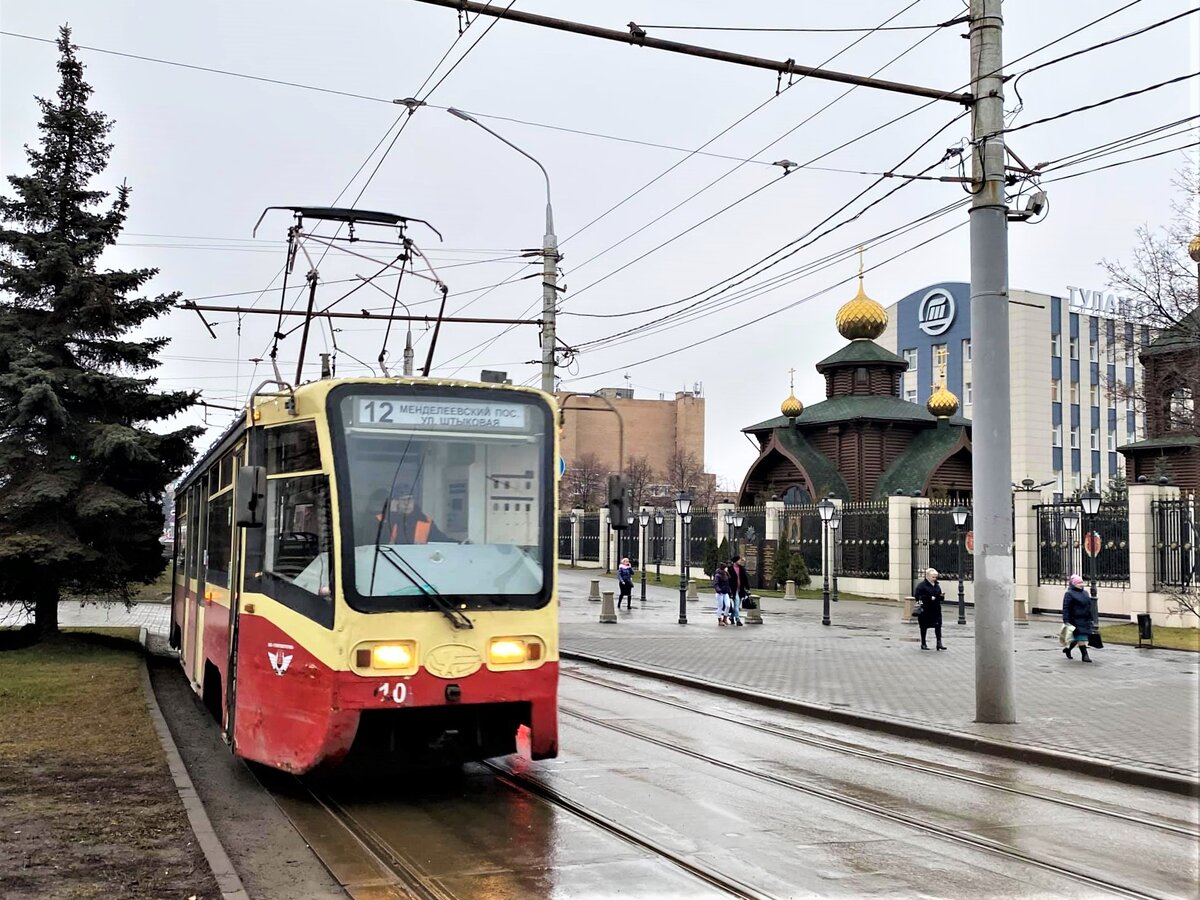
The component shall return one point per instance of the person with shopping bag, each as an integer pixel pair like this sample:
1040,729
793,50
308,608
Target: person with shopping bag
721,589
928,594
1077,612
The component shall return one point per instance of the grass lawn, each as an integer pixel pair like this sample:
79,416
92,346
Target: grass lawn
704,584
1169,638
90,809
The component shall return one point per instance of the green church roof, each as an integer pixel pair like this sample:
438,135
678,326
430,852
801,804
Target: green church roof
862,353
912,469
824,474
849,408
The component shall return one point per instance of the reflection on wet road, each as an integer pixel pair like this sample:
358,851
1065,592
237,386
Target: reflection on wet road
704,796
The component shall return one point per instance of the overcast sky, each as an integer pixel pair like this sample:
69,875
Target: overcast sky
206,152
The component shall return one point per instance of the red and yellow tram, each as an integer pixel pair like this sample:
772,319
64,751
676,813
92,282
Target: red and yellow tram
369,565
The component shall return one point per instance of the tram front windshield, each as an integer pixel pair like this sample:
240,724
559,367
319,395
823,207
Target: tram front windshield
443,497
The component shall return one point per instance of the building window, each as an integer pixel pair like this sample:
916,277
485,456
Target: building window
1112,441
1094,351
1056,436
1074,348
1056,390
939,355
1074,437
911,357
1094,394
1095,438
1074,391
860,375
1112,351
967,393
910,394
1055,345
966,350
1181,409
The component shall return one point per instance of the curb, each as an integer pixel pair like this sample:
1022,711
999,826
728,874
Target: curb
227,879
1084,765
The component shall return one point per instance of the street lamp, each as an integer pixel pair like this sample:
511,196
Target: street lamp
1070,521
834,524
658,529
549,262
826,508
683,505
644,518
574,519
959,514
738,519
1090,502
629,533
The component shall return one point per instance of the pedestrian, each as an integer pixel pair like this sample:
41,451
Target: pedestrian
721,589
739,588
928,594
1077,611
625,583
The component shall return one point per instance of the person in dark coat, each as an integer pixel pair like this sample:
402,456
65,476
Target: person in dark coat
739,588
1077,611
625,583
929,594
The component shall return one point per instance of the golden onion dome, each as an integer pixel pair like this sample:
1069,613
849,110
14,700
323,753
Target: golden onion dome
942,403
1194,249
862,317
791,407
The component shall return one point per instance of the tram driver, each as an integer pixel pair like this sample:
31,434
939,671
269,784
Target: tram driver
402,519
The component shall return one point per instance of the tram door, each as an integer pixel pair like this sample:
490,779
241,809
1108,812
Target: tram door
191,578
238,536
196,609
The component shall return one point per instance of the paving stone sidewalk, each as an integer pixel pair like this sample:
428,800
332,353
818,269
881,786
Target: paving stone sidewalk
1133,707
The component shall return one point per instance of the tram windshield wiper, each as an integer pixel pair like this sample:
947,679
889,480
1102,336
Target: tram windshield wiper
457,618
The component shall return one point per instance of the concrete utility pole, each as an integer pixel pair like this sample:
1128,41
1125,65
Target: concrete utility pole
992,430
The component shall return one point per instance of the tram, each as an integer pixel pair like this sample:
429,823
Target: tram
366,566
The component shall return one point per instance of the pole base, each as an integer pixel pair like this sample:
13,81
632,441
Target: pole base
682,620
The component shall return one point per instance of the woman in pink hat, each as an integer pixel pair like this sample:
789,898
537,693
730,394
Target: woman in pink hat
1077,611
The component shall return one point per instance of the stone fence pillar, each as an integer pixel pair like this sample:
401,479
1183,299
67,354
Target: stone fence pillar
1141,542
774,509
722,528
576,532
1025,549
900,545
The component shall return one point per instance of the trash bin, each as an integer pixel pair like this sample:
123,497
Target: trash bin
1145,629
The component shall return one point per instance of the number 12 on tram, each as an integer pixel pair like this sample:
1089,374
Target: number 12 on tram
365,568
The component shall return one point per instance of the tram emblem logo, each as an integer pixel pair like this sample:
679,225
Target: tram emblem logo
936,313
453,661
278,658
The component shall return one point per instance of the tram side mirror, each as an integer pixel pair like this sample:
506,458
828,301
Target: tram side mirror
249,496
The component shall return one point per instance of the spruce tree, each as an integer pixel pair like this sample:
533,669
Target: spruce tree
782,565
81,475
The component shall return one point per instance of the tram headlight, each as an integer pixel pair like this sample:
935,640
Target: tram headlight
399,655
513,651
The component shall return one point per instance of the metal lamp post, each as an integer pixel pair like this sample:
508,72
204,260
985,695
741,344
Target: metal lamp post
1090,503
1070,521
574,519
549,262
834,524
683,505
729,531
658,530
644,518
629,533
959,514
738,520
826,508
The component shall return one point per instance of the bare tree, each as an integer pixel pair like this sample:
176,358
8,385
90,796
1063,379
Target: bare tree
640,475
583,484
683,471
1163,282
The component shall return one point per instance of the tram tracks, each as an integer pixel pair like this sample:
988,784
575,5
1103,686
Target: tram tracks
912,765
949,834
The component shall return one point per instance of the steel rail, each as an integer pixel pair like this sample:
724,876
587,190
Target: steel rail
948,834
929,769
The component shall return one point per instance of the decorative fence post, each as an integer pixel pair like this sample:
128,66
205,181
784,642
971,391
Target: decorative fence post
1025,552
1142,550
900,545
577,533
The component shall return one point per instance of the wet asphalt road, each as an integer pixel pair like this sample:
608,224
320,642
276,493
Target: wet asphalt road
848,813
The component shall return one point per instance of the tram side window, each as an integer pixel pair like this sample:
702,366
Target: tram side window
220,534
300,533
292,448
181,537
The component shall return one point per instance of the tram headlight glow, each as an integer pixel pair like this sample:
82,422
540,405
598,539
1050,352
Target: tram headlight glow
508,651
393,656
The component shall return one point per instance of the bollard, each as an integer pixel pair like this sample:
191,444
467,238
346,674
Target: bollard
789,590
752,613
907,613
608,610
693,592
1020,617
594,593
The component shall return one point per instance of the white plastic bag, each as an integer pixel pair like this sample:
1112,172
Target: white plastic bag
1064,634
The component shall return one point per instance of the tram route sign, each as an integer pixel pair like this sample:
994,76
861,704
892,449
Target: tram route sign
440,413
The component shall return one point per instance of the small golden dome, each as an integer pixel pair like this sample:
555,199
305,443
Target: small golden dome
1194,249
942,403
791,407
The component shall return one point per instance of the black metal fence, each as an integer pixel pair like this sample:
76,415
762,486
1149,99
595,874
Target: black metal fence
629,543
936,542
589,538
564,537
662,539
1176,561
800,526
1096,548
864,539
704,526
